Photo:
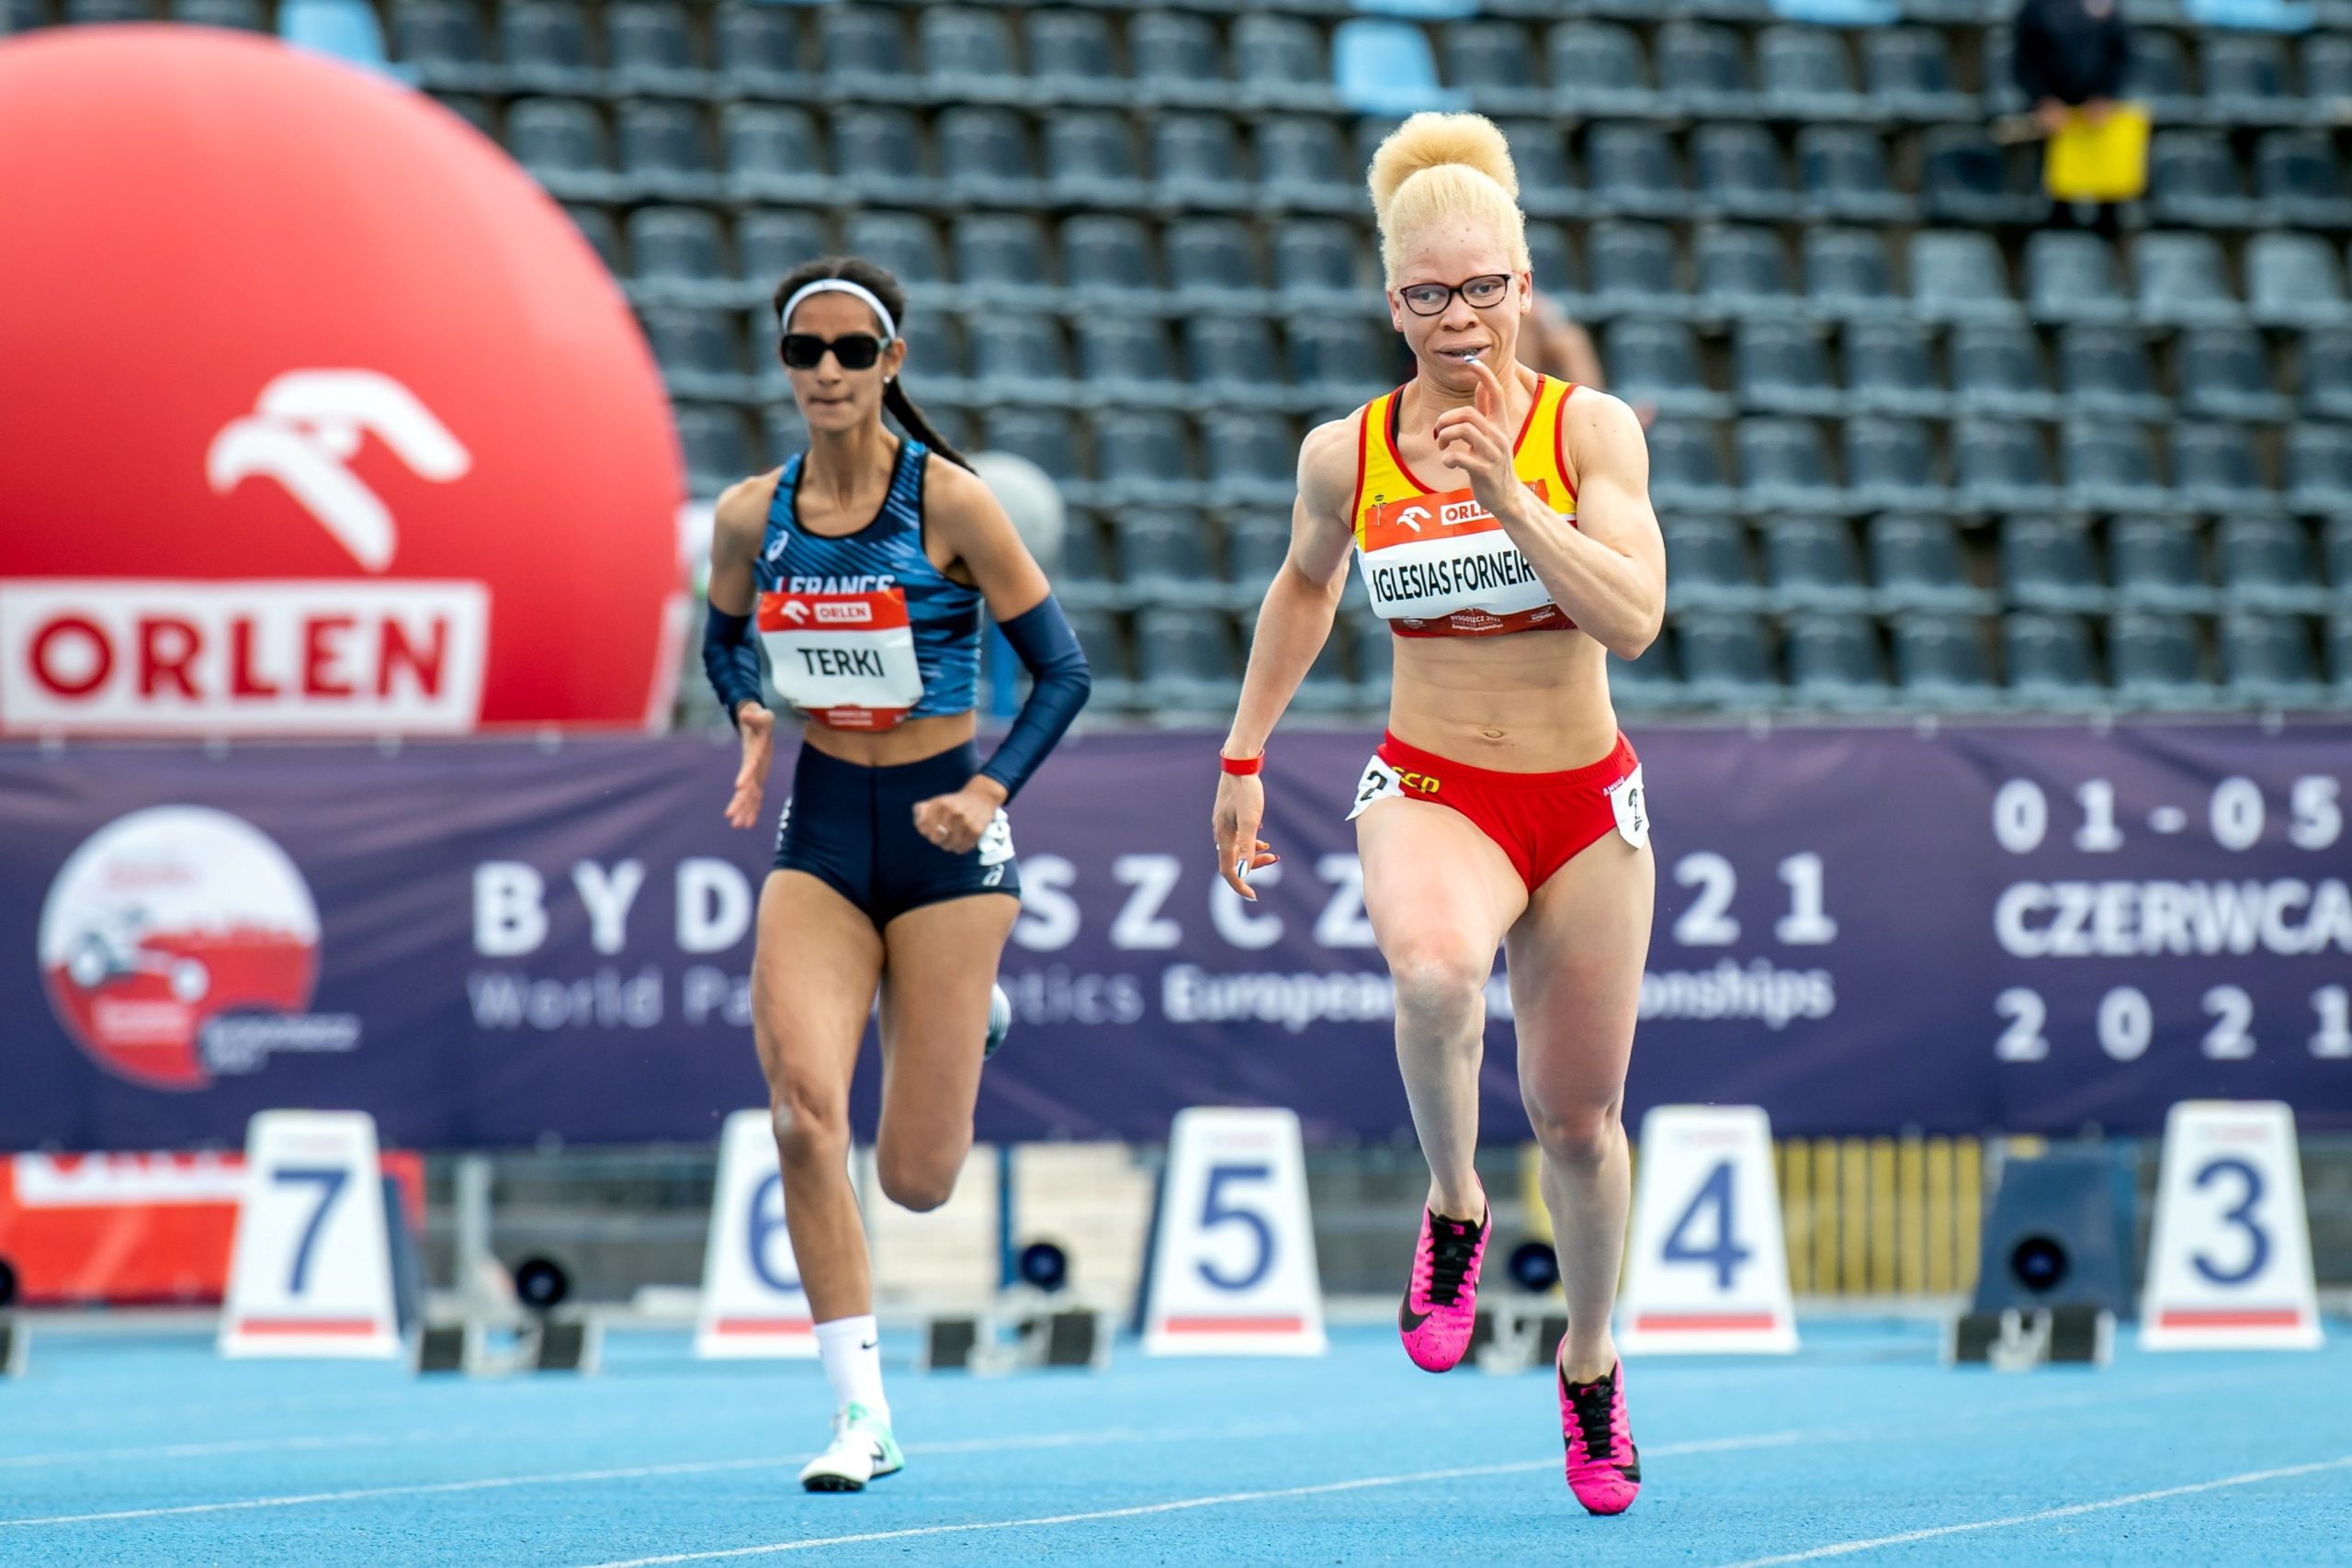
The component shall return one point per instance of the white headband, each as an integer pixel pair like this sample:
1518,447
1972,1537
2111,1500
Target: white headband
840,285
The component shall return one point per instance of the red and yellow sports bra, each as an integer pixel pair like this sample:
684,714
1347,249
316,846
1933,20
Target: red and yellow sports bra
1437,563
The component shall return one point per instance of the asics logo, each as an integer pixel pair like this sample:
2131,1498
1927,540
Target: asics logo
308,424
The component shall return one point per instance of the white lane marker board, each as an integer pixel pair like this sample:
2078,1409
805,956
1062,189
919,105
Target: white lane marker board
1233,1270
2230,1261
1708,1271
753,1306
311,1269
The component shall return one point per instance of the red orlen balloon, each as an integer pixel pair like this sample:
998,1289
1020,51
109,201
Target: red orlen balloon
320,417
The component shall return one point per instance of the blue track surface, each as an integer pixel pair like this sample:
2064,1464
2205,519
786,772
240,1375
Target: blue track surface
136,1452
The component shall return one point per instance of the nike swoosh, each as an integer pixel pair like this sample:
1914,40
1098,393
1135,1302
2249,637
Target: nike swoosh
1406,1318
869,1344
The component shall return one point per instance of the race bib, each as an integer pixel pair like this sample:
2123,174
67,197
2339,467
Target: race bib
1379,782
1631,802
846,660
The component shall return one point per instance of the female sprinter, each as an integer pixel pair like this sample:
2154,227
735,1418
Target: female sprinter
1505,528
865,561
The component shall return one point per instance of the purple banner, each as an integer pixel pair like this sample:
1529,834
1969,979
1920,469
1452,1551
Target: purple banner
484,943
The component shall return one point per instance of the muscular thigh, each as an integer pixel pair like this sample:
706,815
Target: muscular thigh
1575,960
812,984
942,960
1431,877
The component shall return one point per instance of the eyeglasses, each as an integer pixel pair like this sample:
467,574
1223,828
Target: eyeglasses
1479,293
805,351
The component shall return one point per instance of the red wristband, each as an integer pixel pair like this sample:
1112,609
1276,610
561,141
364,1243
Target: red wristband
1241,766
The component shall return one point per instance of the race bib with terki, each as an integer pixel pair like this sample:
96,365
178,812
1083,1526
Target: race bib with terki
845,660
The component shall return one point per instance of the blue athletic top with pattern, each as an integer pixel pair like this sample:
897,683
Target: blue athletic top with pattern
943,614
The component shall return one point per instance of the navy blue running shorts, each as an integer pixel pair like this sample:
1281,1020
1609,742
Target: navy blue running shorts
853,828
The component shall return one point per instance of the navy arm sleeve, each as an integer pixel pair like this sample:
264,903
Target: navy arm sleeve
730,659
1058,686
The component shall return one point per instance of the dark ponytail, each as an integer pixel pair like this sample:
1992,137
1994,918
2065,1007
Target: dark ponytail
877,281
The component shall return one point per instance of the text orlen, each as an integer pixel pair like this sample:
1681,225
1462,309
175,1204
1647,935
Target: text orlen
323,657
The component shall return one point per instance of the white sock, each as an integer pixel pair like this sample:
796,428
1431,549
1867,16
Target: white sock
853,1357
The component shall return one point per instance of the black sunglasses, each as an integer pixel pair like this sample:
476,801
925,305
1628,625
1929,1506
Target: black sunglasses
1431,299
805,351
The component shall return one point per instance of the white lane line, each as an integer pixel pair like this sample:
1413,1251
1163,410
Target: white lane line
2073,1510
199,1451
1178,1505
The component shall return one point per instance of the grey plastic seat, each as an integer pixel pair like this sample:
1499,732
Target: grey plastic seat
712,441
1742,270
1805,73
2327,67
2225,373
1348,355
1598,68
665,149
878,151
1235,353
1081,573
678,243
773,151
2268,660
2327,374
438,35
2339,655
2245,77
2052,563
1142,454
2158,564
1834,662
1634,268
2073,278
1177,57
1109,256
1648,684
1212,258
1552,259
2184,279
1783,367
1280,55
2335,544
2194,179
555,138
2111,466
1726,660
1256,548
1890,369
1658,363
2050,662
1710,566
1910,74
1739,172
1106,654
759,47
1941,662
698,350
1196,159
1012,354
1917,563
902,242
2156,661
1845,173
1784,466
651,44
1071,53
2294,280
2268,564
1303,162
1959,277
1253,459
2318,467
604,236
1849,273
1812,564
2106,372
1630,168
860,42
1539,151
769,245
1964,178
1090,159
1186,659
1315,258
2001,466
1495,60
1701,69
1997,370
2157,74
546,45
2298,178
1159,555
984,154
1891,463
999,252
1687,467
968,51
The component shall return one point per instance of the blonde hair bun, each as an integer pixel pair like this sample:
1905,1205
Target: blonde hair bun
1430,141
1446,167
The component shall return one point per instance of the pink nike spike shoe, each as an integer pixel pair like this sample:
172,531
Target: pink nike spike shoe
1604,1467
1442,1301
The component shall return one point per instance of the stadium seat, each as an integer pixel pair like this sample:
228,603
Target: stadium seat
1539,151
1742,270
715,452
1650,683
2184,280
2267,565
2268,660
1848,273
665,150
1726,660
2159,564
347,29
1315,260
1196,160
561,141
967,52
1959,277
1997,370
878,152
2318,467
2339,655
1098,635
2225,373
1123,359
1082,576
1598,68
1891,463
984,155
2246,78
652,47
1634,269
1910,74
2052,563
1177,58
772,152
862,46
1211,260
2001,466
677,244
1186,659
1783,367
1000,254
699,351
1494,61
2106,372
1158,556
604,236
902,242
1966,179
1890,369
1844,173
2111,466
435,37
1108,259
1072,56
1918,563
769,245
1812,564
1045,436
1658,363
1687,467
2157,74
2050,662
2073,278
1231,356
1284,56
2194,179
1016,358
1630,169
1256,548
1833,662
1941,662
1805,73
1708,560
545,46
759,48
1090,159
1703,70
2294,280
2297,177
2327,72
241,16
2335,543
1996,72
1302,164
2156,661
1552,259
1253,459
1739,172
1348,358
1785,466
2327,374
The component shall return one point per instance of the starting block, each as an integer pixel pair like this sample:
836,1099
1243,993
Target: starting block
1012,1340
2018,1339
569,1342
16,1347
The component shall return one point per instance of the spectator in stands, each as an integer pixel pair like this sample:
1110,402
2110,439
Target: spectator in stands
1559,346
2070,54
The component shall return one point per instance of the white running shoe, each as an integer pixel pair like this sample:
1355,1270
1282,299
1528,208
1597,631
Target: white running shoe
863,1449
1000,1021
